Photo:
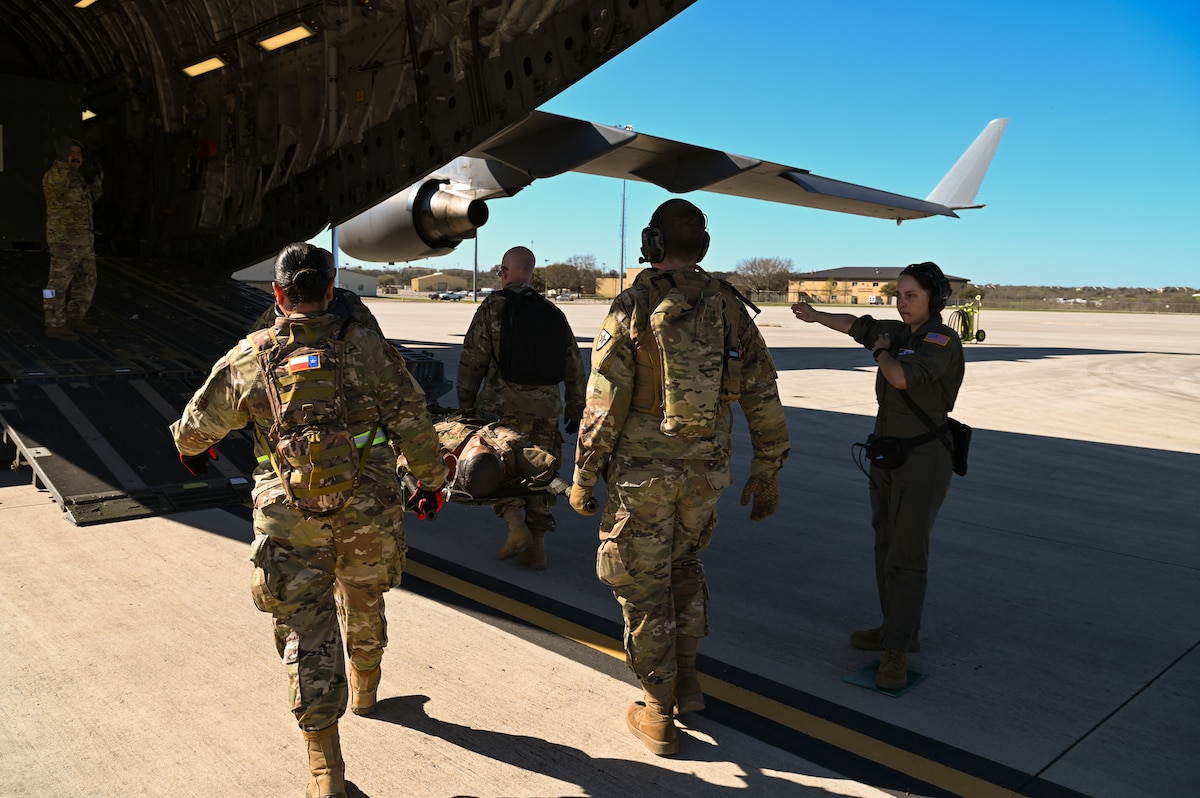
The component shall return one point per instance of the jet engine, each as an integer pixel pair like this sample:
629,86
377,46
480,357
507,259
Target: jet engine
422,221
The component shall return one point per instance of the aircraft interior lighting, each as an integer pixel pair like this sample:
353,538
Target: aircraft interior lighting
207,65
289,36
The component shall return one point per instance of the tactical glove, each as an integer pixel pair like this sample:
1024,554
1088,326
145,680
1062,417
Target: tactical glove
583,500
198,463
571,425
425,502
765,491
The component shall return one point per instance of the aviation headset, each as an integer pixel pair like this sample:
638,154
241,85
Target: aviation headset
930,276
654,245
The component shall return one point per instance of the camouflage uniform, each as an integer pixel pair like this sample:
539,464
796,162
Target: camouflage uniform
70,236
298,558
533,409
525,464
905,501
662,492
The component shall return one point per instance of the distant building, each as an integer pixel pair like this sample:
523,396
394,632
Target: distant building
853,285
609,287
360,283
261,274
440,282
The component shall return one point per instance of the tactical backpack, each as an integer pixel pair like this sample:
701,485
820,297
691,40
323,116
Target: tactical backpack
534,336
695,351
315,455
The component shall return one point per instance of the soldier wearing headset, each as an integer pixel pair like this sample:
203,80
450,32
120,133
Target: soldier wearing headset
920,356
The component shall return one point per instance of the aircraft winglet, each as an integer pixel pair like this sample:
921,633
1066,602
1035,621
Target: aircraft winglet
958,188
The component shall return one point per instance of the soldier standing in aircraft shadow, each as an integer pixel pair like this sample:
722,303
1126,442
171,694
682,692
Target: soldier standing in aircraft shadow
70,235
677,348
519,348
920,371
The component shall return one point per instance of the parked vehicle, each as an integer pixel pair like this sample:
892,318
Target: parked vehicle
565,297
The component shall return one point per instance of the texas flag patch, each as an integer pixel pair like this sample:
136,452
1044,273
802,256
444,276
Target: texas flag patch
304,363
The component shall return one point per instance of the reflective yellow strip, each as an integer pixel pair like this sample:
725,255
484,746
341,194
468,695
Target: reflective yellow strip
360,440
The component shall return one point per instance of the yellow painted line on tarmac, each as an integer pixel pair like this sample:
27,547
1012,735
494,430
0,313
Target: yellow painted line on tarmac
862,745
517,609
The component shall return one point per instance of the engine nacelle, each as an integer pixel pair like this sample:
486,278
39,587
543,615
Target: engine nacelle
422,221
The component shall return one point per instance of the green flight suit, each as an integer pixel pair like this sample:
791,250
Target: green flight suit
905,501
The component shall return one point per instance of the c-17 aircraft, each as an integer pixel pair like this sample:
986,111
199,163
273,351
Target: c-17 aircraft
226,131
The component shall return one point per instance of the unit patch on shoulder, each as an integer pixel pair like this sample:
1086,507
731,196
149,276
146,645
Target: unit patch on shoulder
602,339
937,338
304,363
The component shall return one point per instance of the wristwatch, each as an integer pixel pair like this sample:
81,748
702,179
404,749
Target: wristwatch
875,354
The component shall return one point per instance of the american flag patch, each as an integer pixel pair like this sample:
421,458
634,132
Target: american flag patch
304,363
937,338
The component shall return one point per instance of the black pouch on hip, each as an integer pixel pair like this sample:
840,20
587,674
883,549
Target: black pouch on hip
887,452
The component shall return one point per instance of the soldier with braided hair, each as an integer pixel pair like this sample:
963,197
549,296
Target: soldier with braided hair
328,540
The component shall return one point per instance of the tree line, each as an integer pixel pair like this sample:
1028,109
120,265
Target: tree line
767,275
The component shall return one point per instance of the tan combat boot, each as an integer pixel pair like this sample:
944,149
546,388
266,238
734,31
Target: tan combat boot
535,555
81,326
893,671
652,721
872,640
363,686
327,771
519,536
688,695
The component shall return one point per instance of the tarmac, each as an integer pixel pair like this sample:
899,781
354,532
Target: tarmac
1059,645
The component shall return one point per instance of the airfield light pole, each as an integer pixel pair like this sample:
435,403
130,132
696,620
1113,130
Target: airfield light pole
621,280
333,246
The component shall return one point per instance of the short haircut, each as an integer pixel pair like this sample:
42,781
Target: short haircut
303,272
479,475
683,229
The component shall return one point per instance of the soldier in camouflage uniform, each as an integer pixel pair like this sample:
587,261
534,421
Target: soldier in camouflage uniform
532,409
676,348
520,465
70,236
299,557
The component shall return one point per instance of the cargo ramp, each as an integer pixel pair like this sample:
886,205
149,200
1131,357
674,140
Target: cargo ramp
89,418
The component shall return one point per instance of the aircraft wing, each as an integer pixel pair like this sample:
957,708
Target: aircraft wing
543,145
436,214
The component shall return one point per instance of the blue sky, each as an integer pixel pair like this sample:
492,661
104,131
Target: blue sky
1096,182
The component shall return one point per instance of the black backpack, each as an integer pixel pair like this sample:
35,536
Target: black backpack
534,336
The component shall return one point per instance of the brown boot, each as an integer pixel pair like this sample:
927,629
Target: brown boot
893,671
363,686
327,771
81,326
62,333
519,536
688,695
652,722
535,555
872,640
